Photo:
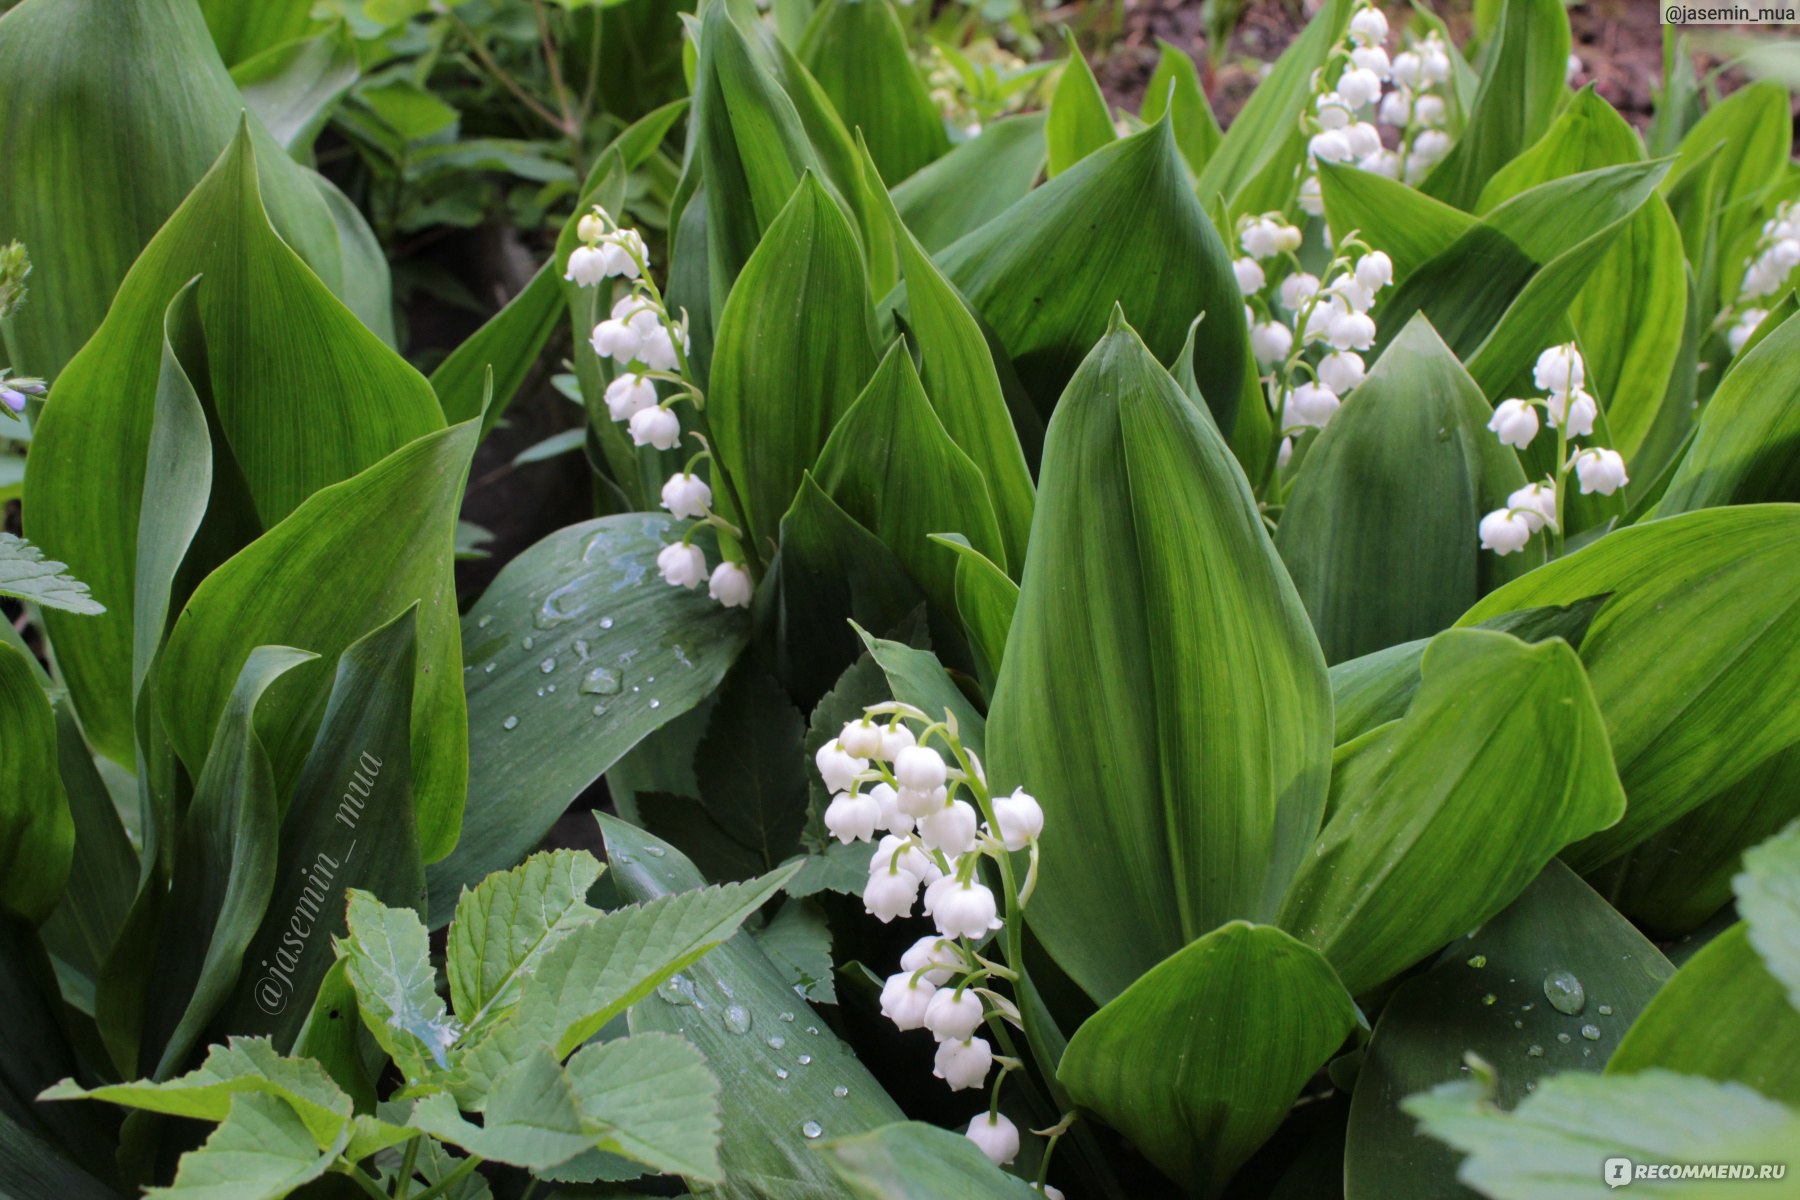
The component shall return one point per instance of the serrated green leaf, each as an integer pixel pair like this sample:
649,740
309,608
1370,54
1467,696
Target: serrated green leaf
261,1151
1769,899
25,574
532,1118
386,957
651,1098
37,833
505,925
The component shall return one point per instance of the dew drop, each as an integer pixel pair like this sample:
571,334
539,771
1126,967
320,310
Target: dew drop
484,622
781,1072
805,1060
550,688
547,666
1591,1032
489,669
655,851
777,1042
1564,1038
840,1091
1606,1010
787,1016
812,1130
1536,1051
529,642
1564,992
1518,1024
813,1029
600,682
656,704
556,609
1479,961
510,723
581,649
541,693
606,622
679,990
737,1018
1489,998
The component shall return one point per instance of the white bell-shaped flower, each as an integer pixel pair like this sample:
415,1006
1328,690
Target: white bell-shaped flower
1600,470
1249,274
1359,86
1395,108
1429,146
1297,289
1310,406
1369,26
681,565
1351,331
1739,335
1559,369
1261,238
891,816
686,496
624,250
1363,139
629,395
919,805
894,739
587,266
1504,531
1407,70
995,1136
860,738
1515,423
904,1000
966,910
1384,162
655,426
950,828
1430,111
1312,196
937,889
616,340
730,585
1357,298
1372,58
1434,62
1575,410
954,1014
1536,502
852,817
1334,110
934,952
894,851
890,894
963,1063
1332,146
1021,819
1375,270
1270,341
591,228
837,766
1341,370
919,769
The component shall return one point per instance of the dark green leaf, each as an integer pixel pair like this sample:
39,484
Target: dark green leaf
857,51
1746,449
1175,88
974,183
1079,120
750,767
37,834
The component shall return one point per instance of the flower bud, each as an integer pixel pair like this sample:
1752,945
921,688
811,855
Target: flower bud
1515,423
935,952
954,1014
965,910
687,496
1249,274
1504,531
904,1000
1021,819
1341,370
949,828
1600,470
890,894
962,1063
837,767
995,1136
730,585
654,426
1270,341
851,817
681,565
587,266
13,400
919,769
591,228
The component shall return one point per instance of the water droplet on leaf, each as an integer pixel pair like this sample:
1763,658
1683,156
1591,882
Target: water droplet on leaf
812,1130
510,723
1564,992
600,682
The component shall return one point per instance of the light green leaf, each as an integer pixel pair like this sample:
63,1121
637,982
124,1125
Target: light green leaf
589,602
269,592
1199,1060
1724,585
1500,761
532,1119
1182,783
261,1151
1747,447
798,941
1587,135
916,677
1723,1016
293,86
1175,88
385,955
652,1100
911,1160
242,31
1770,902
1722,169
26,575
1553,1146
334,1037
37,834
974,183
1486,995
985,600
857,51
1399,220
1079,121
1377,532
507,923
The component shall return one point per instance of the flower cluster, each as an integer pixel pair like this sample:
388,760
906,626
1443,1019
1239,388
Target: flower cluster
1302,312
651,347
1771,265
13,392
1571,411
939,821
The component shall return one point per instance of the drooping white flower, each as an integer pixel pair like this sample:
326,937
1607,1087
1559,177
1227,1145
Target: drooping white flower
954,1014
1369,27
1261,238
860,738
1385,163
950,828
890,894
1504,531
1739,334
686,496
1372,58
937,889
995,1136
838,767
1430,112
591,228
1310,406
891,816
1021,819
1359,86
963,1063
1341,370
1287,237
1434,62
919,805
1357,298
730,585
1331,145
1326,309
852,817
1375,270
1249,274
1297,289
1351,331
681,565
896,851
615,338
1407,70
894,739
1515,423
1395,108
623,251
1600,470
1579,408
905,999
654,426
1536,502
1363,139
1270,341
1334,110
919,769
1559,369
965,910
1312,196
937,953
587,266
1429,146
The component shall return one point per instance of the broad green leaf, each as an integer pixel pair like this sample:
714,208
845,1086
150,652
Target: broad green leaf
916,677
225,861
507,923
334,1037
37,834
1723,1016
1588,134
107,74
1402,222
1500,761
1049,296
1175,88
302,395
915,1161
974,183
1265,140
653,1101
261,1151
1746,449
1522,85
385,956
743,1015
1555,1143
26,575
750,771
532,1119
798,942
1722,169
244,1065
1377,530
891,465
1770,903
587,600
350,823
985,600
963,382
1182,783
1486,995
242,31
800,310
857,51
32,1165
1079,120
1198,1061
1721,583
269,593
103,872
294,85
